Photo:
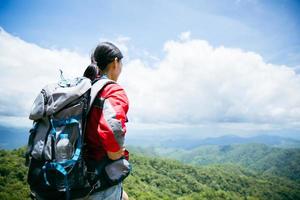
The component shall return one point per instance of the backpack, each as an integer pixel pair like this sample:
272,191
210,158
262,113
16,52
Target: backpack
56,140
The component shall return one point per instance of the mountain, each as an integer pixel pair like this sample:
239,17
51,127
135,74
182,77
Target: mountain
11,137
261,158
192,142
181,140
157,178
270,140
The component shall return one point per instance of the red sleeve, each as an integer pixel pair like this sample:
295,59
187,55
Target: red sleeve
111,128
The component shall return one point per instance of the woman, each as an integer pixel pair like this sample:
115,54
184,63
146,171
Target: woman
105,128
103,143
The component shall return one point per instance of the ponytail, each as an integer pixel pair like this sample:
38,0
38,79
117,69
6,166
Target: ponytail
91,72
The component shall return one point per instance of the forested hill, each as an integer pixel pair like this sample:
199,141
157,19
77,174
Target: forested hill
156,178
264,159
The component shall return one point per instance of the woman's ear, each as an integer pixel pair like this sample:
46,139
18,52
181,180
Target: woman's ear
115,62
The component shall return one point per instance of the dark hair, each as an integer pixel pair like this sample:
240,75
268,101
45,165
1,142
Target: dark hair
104,54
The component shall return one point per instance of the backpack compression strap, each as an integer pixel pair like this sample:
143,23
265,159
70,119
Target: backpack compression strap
96,87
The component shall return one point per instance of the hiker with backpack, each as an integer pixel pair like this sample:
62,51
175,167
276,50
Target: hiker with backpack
106,124
76,146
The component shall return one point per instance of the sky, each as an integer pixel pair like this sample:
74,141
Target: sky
202,67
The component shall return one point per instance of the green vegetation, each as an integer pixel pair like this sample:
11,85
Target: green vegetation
13,176
261,158
157,178
154,178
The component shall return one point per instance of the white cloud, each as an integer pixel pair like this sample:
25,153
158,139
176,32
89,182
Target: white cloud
26,68
185,36
196,83
193,84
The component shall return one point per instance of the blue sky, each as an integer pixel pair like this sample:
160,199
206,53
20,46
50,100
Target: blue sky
270,28
240,60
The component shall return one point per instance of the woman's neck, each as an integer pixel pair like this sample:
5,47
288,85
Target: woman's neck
108,75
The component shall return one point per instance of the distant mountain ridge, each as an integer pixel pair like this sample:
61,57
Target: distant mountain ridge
11,137
275,141
184,142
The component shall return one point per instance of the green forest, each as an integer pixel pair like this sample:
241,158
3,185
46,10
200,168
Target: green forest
261,158
161,178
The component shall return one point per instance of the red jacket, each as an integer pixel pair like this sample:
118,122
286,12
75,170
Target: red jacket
105,128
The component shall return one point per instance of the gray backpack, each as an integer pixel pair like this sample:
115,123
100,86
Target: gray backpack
54,151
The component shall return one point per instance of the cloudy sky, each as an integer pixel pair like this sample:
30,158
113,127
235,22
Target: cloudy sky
203,67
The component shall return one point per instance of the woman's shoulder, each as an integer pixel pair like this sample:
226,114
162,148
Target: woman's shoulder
113,89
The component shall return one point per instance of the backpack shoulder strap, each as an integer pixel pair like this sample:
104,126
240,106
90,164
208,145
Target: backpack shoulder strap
96,87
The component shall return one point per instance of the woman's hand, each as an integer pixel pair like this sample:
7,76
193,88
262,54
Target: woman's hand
116,155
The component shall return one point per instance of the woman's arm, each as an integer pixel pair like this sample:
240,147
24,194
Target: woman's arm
112,121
